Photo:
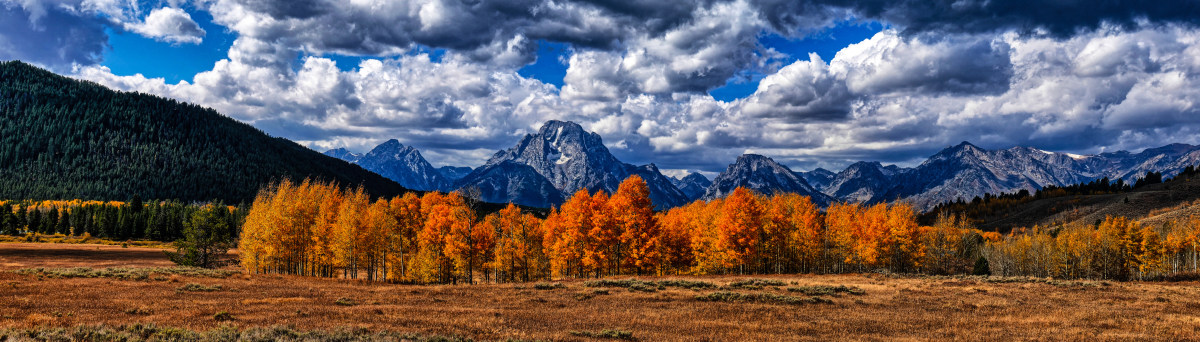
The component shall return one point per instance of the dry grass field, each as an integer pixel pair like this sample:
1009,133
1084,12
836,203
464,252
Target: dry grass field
777,308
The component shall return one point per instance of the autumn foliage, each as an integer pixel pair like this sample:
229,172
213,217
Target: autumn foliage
317,229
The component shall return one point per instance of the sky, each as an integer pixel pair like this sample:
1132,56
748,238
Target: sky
687,85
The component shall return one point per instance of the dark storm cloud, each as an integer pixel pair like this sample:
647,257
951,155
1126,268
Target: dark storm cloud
54,38
1060,18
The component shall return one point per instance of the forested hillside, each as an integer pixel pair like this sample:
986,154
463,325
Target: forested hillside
64,138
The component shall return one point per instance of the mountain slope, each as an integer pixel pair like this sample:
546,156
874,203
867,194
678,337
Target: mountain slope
454,173
966,171
819,178
570,159
693,185
403,164
862,182
763,175
509,181
64,138
344,154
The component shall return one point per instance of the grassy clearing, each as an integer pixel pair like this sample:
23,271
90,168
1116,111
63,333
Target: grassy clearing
826,290
912,308
152,332
125,273
769,298
85,239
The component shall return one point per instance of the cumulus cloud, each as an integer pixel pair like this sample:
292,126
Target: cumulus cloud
884,65
169,24
1113,75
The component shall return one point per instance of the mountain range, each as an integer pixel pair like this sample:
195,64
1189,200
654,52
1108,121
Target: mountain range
545,168
966,171
65,138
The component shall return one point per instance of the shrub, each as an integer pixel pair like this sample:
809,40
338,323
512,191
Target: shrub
754,284
204,243
138,311
124,273
760,298
825,290
606,333
981,267
548,286
223,316
191,287
650,286
345,302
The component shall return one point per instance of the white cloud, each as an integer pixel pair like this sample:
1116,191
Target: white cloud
638,72
169,24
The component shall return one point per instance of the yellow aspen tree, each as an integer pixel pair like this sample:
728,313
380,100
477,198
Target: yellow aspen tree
741,228
633,215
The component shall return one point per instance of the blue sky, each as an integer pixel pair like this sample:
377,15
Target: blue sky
685,84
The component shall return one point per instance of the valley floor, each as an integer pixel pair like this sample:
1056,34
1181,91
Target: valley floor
904,308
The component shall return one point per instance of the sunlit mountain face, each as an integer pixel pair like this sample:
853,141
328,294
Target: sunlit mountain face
686,85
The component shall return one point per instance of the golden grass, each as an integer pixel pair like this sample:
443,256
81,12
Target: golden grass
889,307
84,239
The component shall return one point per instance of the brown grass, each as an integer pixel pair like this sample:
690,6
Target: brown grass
904,308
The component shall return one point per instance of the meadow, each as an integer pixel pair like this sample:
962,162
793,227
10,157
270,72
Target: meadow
83,288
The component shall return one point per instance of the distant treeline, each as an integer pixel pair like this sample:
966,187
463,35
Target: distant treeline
132,220
988,204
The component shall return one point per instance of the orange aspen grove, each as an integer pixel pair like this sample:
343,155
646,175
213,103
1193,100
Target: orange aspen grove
566,239
711,255
794,233
603,248
517,255
373,239
1152,259
257,235
633,215
901,248
741,229
322,232
444,213
402,243
319,229
676,239
466,245
347,232
842,224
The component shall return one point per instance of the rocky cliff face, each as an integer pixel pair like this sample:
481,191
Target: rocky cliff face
570,158
403,164
763,175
